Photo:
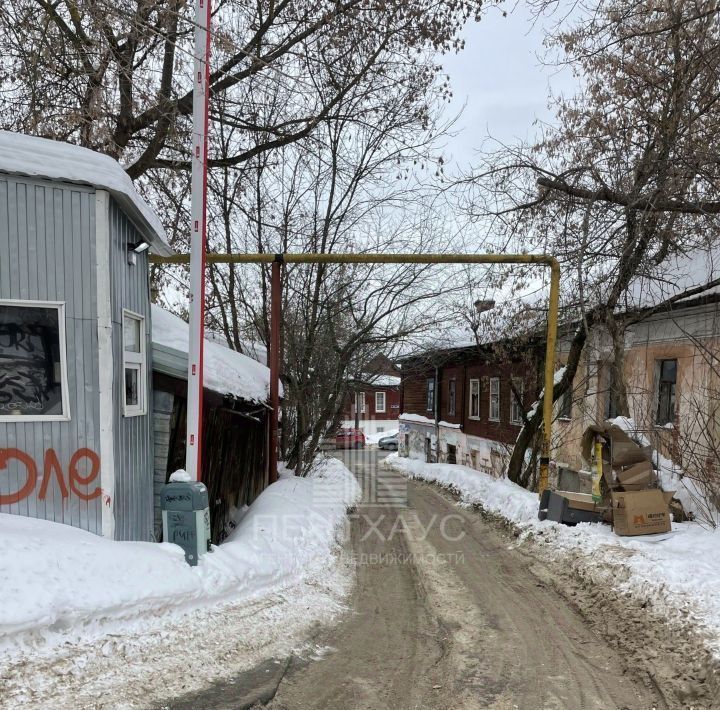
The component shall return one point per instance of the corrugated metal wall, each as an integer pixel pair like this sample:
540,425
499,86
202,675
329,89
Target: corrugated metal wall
47,252
130,288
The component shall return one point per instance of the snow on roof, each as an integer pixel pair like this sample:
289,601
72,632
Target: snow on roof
677,274
44,158
226,371
382,380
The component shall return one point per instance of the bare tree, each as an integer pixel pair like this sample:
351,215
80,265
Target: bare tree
627,179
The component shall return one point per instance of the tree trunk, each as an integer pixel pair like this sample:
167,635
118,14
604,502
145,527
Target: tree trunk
618,390
516,468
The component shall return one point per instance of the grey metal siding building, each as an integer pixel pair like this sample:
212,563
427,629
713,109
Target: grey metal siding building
75,348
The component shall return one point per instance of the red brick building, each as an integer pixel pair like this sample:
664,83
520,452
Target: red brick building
467,404
377,398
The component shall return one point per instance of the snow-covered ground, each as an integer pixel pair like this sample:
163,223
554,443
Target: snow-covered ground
74,602
678,573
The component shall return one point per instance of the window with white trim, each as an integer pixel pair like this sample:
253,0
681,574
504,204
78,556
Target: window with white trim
380,402
494,415
516,409
33,367
362,403
474,412
134,365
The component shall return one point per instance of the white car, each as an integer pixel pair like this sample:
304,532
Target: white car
389,442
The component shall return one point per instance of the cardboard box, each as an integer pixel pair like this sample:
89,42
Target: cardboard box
624,451
639,474
641,512
583,501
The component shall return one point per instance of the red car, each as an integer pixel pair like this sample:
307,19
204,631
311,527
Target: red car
350,439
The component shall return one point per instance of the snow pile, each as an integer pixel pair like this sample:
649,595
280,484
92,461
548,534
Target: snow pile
55,160
678,572
62,584
417,418
226,371
374,439
180,476
496,495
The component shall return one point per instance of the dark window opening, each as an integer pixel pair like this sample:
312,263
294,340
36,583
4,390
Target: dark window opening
667,379
611,410
31,371
451,396
566,404
430,395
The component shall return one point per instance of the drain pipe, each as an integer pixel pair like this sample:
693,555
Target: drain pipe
437,413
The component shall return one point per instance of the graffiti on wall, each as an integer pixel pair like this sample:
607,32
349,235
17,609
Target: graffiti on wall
82,471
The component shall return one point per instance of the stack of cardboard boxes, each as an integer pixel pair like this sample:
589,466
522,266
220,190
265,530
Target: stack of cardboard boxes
630,489
629,496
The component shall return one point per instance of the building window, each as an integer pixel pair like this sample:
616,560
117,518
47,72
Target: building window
611,398
452,386
474,412
361,401
430,394
33,369
380,402
516,408
667,379
134,364
566,404
494,415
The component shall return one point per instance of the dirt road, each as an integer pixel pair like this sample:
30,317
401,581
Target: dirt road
445,614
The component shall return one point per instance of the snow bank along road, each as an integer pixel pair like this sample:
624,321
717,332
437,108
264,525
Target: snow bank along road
445,614
87,622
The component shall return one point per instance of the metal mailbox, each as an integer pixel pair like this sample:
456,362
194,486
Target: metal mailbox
186,518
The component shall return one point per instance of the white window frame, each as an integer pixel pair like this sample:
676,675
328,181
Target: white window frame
136,361
378,409
494,381
515,408
362,403
452,397
64,387
470,400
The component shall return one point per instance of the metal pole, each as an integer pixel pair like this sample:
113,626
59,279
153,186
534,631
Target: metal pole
275,296
198,239
549,373
544,259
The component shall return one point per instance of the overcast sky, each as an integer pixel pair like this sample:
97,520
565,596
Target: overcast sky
500,81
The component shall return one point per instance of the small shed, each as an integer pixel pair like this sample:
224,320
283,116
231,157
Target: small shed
235,419
76,425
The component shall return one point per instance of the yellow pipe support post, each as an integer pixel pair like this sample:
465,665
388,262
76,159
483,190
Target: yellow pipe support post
546,259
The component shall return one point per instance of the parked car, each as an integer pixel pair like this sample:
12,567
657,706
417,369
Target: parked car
350,439
389,442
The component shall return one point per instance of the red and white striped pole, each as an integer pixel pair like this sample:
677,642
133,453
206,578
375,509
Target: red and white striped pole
198,238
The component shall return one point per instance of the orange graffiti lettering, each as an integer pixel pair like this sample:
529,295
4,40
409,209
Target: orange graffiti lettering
53,468
24,492
76,477
51,464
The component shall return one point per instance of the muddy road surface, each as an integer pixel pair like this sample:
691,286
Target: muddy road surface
445,614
